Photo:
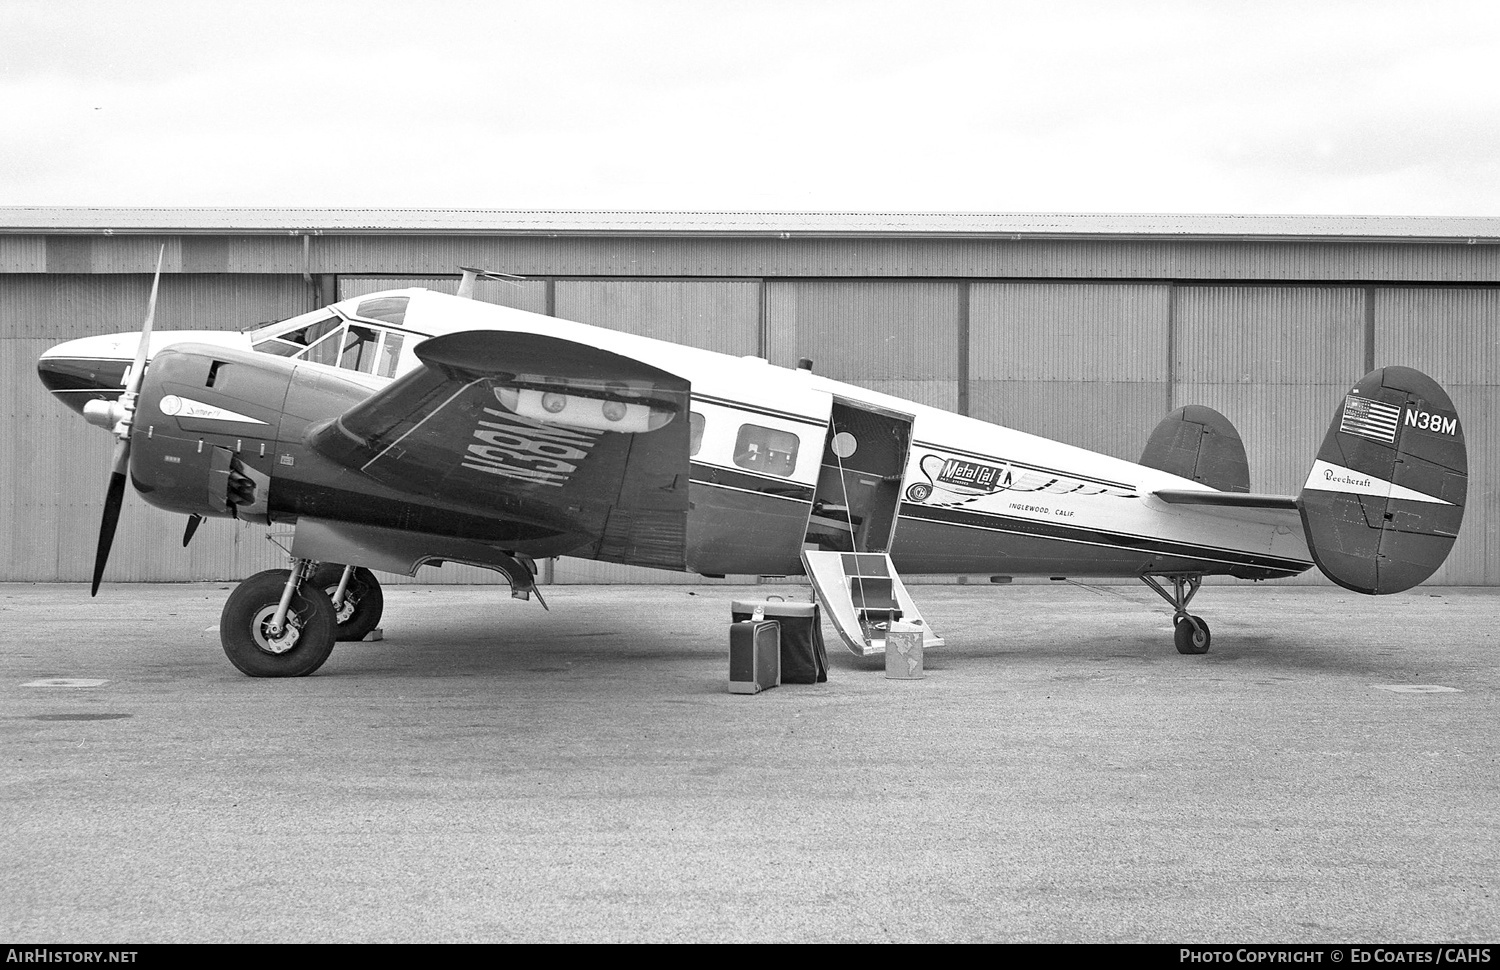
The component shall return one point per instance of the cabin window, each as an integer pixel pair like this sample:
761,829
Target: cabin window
695,421
766,450
385,309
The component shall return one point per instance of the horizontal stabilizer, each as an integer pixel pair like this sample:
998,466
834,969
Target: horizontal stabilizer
1382,505
1199,443
1233,500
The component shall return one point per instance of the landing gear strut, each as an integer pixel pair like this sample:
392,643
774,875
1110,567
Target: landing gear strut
357,599
276,624
1190,633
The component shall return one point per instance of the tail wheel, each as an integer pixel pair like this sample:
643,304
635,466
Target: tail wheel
363,602
1191,634
298,648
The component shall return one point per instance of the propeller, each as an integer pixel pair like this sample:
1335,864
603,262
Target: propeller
119,415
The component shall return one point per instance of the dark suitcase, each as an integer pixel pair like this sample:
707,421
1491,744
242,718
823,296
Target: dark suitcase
754,656
804,659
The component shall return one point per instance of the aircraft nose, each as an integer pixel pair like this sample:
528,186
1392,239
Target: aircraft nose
88,369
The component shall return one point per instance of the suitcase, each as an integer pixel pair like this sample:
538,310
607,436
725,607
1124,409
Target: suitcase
754,656
804,659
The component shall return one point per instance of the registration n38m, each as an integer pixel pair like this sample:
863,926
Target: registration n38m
411,427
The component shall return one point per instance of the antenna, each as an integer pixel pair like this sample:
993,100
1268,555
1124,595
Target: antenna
466,284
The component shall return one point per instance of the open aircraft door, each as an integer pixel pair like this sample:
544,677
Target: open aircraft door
853,521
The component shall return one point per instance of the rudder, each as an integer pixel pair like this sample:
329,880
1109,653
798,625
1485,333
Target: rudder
1382,505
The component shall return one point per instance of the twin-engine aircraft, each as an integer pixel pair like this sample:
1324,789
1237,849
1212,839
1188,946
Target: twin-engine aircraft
411,427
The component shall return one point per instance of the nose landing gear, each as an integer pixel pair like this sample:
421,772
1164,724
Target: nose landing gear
1190,633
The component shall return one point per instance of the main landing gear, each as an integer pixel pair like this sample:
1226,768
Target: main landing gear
284,623
1190,633
356,597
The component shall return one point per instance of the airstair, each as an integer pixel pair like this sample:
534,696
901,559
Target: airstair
862,595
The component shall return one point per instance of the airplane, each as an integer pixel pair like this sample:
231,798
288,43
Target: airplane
413,427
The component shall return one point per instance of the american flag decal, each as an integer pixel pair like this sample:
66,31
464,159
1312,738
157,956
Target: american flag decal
1370,419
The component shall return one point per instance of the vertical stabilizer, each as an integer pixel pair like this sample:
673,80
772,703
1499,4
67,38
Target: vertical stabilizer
1382,505
1199,443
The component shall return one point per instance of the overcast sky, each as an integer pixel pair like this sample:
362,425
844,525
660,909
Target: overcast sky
1315,106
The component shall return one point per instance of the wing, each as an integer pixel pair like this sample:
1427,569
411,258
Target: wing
584,445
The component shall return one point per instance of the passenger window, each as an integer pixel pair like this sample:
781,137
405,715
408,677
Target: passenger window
766,450
695,420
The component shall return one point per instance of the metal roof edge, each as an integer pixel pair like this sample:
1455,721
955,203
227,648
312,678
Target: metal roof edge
295,222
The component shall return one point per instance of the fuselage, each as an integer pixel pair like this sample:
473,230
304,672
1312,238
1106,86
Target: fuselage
781,460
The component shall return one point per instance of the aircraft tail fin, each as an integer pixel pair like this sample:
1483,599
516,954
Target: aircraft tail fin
1200,444
1382,505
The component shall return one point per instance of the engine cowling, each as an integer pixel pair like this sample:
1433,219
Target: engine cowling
206,428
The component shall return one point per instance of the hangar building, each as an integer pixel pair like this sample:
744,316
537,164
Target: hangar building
1083,328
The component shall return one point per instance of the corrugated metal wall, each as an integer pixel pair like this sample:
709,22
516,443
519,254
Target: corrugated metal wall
539,255
529,295
1084,363
1092,362
912,258
898,338
718,315
1454,335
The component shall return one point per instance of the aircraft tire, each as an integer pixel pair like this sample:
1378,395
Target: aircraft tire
1191,637
311,627
364,603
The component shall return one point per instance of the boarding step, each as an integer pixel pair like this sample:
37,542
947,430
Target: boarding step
863,596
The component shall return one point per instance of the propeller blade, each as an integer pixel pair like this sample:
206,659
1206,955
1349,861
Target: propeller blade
120,467
193,522
112,502
138,369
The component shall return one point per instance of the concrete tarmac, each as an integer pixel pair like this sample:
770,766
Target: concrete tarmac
493,772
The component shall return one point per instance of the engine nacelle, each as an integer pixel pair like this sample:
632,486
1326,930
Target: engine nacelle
205,432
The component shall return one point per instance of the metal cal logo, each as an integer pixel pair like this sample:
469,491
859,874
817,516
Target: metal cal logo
972,474
959,476
512,447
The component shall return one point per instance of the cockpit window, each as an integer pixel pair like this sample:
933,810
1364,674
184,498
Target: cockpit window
386,309
390,354
325,350
293,343
333,341
359,350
